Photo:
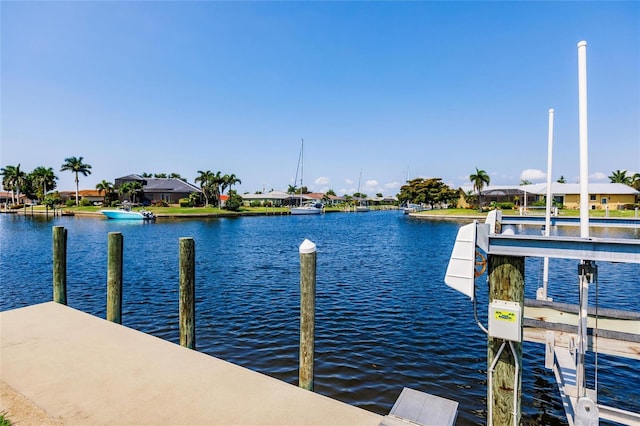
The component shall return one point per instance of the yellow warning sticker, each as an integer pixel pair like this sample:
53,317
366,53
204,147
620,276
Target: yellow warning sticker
505,316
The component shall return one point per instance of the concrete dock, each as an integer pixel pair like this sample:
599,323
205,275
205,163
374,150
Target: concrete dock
74,368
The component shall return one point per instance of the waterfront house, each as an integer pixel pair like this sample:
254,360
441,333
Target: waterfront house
615,196
169,190
273,199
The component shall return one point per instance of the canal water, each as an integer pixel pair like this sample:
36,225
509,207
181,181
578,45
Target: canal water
385,319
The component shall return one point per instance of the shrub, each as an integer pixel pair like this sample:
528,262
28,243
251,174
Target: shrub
185,202
85,202
70,202
255,203
234,202
504,205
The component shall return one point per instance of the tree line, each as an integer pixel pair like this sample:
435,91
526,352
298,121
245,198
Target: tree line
40,183
42,180
434,192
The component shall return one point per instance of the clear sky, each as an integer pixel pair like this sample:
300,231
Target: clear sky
395,89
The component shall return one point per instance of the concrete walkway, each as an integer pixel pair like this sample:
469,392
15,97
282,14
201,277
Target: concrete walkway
80,369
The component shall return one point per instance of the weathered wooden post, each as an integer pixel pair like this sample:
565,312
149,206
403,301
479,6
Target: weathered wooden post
307,313
114,277
506,283
60,264
187,293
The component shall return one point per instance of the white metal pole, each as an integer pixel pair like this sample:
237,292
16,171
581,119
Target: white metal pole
547,223
584,139
584,212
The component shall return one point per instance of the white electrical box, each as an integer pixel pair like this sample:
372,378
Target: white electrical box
505,320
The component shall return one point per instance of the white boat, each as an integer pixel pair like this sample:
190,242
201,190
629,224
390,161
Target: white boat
127,214
309,207
362,205
412,208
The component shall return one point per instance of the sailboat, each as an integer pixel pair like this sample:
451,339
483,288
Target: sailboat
310,207
362,205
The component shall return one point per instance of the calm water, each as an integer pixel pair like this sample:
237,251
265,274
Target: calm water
384,320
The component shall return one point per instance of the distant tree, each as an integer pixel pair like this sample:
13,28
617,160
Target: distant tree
106,188
479,179
562,180
160,175
136,190
636,181
331,192
228,181
234,202
525,182
43,179
75,165
125,190
427,191
146,175
470,197
51,200
620,176
379,195
13,179
206,184
176,176
292,189
195,198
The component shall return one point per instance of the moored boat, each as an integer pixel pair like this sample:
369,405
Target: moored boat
124,214
312,207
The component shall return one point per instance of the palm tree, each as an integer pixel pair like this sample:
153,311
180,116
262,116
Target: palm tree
205,178
216,181
13,179
136,190
562,180
228,181
479,179
107,188
125,189
44,179
636,181
75,165
620,176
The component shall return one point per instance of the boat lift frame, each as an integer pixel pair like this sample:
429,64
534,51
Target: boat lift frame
578,248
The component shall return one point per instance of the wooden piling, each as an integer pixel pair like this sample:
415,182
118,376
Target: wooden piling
114,277
187,293
60,264
307,313
506,282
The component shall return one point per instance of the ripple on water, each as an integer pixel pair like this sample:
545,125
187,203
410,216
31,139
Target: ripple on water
384,318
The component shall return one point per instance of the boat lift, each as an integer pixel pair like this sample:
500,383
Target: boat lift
507,319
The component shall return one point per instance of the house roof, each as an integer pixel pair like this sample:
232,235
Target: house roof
132,176
273,195
156,185
89,193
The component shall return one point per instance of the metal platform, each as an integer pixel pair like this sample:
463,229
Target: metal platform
596,249
610,222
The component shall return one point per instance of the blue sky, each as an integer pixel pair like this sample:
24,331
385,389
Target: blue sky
395,89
